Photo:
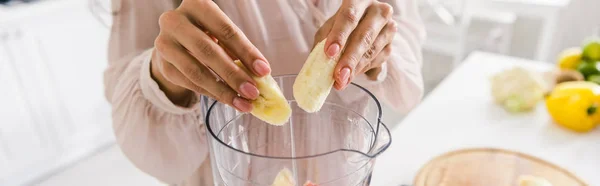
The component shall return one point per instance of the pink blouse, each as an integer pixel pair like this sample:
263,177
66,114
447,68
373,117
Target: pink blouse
168,141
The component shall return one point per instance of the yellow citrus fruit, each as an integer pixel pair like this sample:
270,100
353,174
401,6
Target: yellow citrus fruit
570,58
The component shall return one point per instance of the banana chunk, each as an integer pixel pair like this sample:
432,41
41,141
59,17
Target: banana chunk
315,80
284,178
270,106
528,180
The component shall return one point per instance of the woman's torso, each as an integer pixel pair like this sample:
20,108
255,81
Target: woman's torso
283,30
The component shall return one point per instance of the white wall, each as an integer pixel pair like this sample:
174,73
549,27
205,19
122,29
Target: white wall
576,23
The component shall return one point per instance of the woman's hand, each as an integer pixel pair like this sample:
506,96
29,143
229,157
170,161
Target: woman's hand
196,40
364,30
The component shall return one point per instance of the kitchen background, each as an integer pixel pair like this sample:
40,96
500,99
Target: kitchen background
56,126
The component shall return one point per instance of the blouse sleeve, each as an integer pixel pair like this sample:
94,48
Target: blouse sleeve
160,138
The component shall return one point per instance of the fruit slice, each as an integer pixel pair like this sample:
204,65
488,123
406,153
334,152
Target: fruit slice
591,49
314,82
284,178
527,180
270,106
569,58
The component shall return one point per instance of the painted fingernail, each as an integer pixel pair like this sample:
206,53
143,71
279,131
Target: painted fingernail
242,104
248,90
261,67
344,76
333,50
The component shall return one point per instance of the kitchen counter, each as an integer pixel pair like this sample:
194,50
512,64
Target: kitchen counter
460,113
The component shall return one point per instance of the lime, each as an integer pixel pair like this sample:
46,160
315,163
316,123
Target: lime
594,78
569,58
591,49
588,68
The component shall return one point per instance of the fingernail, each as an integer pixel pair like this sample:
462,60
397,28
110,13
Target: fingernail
248,90
344,76
261,67
333,50
242,105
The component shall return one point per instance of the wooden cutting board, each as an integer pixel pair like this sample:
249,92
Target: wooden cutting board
490,167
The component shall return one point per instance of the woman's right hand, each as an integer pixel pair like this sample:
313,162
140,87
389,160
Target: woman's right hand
196,38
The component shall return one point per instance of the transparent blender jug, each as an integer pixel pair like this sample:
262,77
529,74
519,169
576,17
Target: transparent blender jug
335,146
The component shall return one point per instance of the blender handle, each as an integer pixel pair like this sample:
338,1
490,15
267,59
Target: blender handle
382,132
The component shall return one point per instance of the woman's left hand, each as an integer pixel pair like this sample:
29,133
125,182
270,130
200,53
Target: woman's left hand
362,30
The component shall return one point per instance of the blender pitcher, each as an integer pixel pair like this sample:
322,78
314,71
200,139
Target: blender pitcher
335,146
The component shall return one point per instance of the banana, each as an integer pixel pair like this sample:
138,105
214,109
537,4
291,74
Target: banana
284,178
270,106
528,180
314,82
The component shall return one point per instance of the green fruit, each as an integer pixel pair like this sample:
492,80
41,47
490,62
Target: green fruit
591,49
594,78
589,68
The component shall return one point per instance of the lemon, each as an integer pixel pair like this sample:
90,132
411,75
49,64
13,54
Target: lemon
591,49
570,58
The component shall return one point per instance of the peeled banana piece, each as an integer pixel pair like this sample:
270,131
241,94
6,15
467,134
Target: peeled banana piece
270,106
284,178
315,80
528,180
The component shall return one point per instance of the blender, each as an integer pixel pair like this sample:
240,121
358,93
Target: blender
335,146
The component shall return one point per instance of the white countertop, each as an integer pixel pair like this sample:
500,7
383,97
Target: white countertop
460,113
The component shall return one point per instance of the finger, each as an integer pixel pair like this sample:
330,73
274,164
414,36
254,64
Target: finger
239,103
222,46
170,72
371,67
323,31
346,19
360,42
229,53
209,86
385,37
196,76
381,49
381,58
219,25
203,49
176,77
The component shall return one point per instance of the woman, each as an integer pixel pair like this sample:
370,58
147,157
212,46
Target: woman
161,52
